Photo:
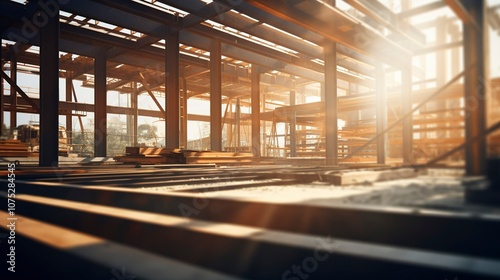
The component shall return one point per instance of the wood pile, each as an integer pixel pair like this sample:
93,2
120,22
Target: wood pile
139,155
14,148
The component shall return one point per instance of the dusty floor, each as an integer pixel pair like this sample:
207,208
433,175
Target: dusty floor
437,189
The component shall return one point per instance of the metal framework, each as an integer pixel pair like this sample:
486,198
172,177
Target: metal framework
257,53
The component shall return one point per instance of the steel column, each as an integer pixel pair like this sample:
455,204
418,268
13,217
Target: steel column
331,128
255,96
406,105
49,87
293,126
69,98
215,96
135,108
184,113
131,118
381,114
475,88
2,119
13,92
100,100
172,89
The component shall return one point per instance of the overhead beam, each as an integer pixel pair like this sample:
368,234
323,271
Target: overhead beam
421,9
66,107
462,13
334,25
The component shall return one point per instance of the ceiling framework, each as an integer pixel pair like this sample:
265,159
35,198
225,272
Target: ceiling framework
289,43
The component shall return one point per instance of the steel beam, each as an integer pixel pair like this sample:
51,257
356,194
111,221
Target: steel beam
135,109
331,129
100,100
381,112
184,112
172,89
293,126
1,88
215,96
64,107
463,14
21,92
151,94
255,96
13,92
421,9
475,87
49,87
336,26
406,105
69,98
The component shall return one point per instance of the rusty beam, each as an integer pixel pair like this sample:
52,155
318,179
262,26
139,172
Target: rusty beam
151,94
21,92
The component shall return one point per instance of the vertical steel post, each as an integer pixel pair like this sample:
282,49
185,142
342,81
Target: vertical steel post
381,111
215,96
131,117
293,126
406,104
49,87
13,92
135,110
69,98
255,96
100,100
331,116
2,119
184,114
475,88
172,89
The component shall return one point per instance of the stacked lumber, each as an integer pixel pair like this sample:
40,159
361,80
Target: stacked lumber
139,155
217,157
14,148
149,155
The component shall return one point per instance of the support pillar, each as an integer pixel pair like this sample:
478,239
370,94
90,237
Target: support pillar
255,96
184,113
132,118
331,116
100,100
475,88
237,120
135,109
293,126
49,89
13,92
172,89
381,111
69,98
406,105
2,119
215,96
